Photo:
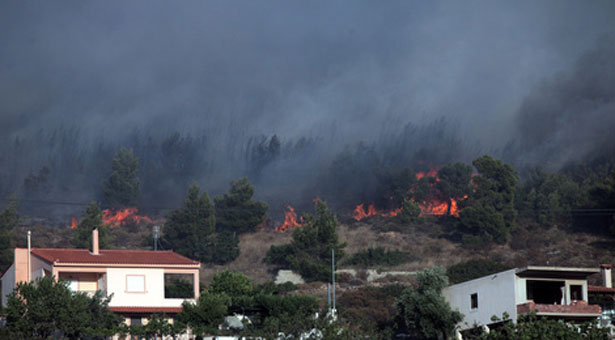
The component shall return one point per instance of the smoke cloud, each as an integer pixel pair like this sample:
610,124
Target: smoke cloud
199,88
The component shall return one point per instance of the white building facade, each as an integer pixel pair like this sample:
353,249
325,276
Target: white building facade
548,291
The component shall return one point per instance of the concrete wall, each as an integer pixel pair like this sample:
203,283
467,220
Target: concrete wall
496,295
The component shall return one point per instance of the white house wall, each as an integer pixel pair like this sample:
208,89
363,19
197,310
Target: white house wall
496,295
154,288
8,283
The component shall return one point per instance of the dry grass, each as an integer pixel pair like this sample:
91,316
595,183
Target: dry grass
253,247
427,249
528,245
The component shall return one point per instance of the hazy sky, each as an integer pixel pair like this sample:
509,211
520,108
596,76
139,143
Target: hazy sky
294,68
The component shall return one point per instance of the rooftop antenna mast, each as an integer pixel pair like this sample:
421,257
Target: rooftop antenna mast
156,230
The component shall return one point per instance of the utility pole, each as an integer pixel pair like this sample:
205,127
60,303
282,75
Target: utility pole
333,278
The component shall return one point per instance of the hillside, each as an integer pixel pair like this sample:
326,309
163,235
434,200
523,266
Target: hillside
426,243
427,247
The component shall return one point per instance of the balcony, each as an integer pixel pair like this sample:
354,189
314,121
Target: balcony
576,309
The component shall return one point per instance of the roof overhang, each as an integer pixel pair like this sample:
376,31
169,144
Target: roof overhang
556,272
145,310
58,264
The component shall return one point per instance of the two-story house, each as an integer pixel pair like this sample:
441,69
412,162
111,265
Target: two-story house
142,282
548,291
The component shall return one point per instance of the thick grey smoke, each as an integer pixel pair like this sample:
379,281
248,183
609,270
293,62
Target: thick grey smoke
227,75
571,116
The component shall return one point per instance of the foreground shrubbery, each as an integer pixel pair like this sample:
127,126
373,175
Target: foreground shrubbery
40,309
270,309
531,327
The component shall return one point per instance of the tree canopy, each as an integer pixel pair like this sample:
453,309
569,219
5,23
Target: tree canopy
82,238
236,211
123,186
423,313
309,253
489,213
39,309
189,229
9,220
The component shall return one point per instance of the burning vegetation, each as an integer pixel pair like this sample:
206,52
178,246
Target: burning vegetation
426,192
115,218
290,220
119,217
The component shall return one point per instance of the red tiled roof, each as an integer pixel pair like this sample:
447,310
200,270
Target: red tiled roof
112,256
166,310
600,289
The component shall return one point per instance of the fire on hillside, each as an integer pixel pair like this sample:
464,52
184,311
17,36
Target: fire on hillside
431,206
116,218
290,220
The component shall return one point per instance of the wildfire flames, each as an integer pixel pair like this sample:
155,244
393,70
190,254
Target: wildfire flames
433,206
117,218
359,212
290,220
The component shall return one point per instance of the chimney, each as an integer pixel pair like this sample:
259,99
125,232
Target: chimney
607,281
95,241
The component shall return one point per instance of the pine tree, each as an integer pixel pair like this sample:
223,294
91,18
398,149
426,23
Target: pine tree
9,220
309,253
490,213
123,186
236,211
190,229
83,233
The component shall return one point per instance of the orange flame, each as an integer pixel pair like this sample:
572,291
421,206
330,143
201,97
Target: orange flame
431,207
430,173
434,207
73,223
359,212
290,221
115,219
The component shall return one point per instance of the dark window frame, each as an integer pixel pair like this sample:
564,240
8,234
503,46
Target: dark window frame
474,301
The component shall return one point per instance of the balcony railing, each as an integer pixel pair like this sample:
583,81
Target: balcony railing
576,308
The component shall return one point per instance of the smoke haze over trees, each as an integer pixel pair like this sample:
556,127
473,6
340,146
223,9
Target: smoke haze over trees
305,99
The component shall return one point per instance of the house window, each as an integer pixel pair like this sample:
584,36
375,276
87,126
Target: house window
135,283
474,301
135,321
178,286
73,285
576,292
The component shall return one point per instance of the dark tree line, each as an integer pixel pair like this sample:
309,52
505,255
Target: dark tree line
210,232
